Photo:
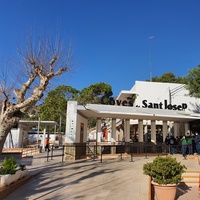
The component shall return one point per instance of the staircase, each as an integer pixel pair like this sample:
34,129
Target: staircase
191,177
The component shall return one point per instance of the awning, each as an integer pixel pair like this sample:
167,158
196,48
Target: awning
124,112
35,123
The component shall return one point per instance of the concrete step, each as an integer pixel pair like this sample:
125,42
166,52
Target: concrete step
191,177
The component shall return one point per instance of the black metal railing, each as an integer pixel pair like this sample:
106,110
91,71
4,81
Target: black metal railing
55,152
94,150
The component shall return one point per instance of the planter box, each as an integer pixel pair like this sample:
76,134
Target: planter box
7,179
17,175
23,173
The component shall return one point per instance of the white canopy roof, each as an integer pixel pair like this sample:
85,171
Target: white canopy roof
35,123
124,112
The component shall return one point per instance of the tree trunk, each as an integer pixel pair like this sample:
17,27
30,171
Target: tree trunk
5,128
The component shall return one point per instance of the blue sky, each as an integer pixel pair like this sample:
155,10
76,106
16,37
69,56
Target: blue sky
110,38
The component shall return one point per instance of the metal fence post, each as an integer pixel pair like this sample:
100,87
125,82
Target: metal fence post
62,153
47,156
145,149
52,152
101,154
131,151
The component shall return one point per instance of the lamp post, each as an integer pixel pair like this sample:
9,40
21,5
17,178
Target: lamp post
38,130
150,59
60,124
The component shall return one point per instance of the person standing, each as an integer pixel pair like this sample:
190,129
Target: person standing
167,143
167,140
197,142
189,142
183,146
178,144
172,142
47,145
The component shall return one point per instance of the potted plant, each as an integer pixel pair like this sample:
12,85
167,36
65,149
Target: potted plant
9,172
23,170
166,173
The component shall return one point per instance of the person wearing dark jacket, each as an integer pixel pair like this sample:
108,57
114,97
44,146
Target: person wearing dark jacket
197,142
167,143
47,146
189,142
167,140
172,142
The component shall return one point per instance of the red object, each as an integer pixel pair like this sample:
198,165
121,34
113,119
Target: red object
47,141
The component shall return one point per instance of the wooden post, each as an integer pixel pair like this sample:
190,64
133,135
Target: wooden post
149,189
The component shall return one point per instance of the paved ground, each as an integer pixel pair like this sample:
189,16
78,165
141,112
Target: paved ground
92,180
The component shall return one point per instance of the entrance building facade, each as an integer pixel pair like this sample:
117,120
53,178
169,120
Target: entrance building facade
147,113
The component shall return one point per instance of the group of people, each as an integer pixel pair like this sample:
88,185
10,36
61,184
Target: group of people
186,144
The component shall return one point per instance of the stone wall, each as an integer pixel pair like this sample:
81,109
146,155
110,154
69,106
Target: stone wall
75,151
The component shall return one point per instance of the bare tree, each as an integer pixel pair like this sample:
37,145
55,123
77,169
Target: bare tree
38,63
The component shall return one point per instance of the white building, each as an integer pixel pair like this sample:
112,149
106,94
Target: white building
26,134
159,108
163,97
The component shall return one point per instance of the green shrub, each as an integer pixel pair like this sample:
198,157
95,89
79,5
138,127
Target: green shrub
9,166
22,167
164,170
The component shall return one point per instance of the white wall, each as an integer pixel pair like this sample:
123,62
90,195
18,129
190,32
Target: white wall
73,124
12,140
158,92
71,121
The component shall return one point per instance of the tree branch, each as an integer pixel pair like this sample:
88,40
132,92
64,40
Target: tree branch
20,94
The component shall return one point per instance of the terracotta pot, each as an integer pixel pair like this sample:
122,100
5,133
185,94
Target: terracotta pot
165,192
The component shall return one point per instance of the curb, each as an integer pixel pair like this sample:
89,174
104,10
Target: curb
6,190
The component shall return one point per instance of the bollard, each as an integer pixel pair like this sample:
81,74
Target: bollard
101,154
62,153
47,156
52,152
132,158
145,152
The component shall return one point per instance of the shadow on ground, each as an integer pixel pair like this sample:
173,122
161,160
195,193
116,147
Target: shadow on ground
182,189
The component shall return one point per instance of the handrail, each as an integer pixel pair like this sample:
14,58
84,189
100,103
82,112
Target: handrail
52,154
